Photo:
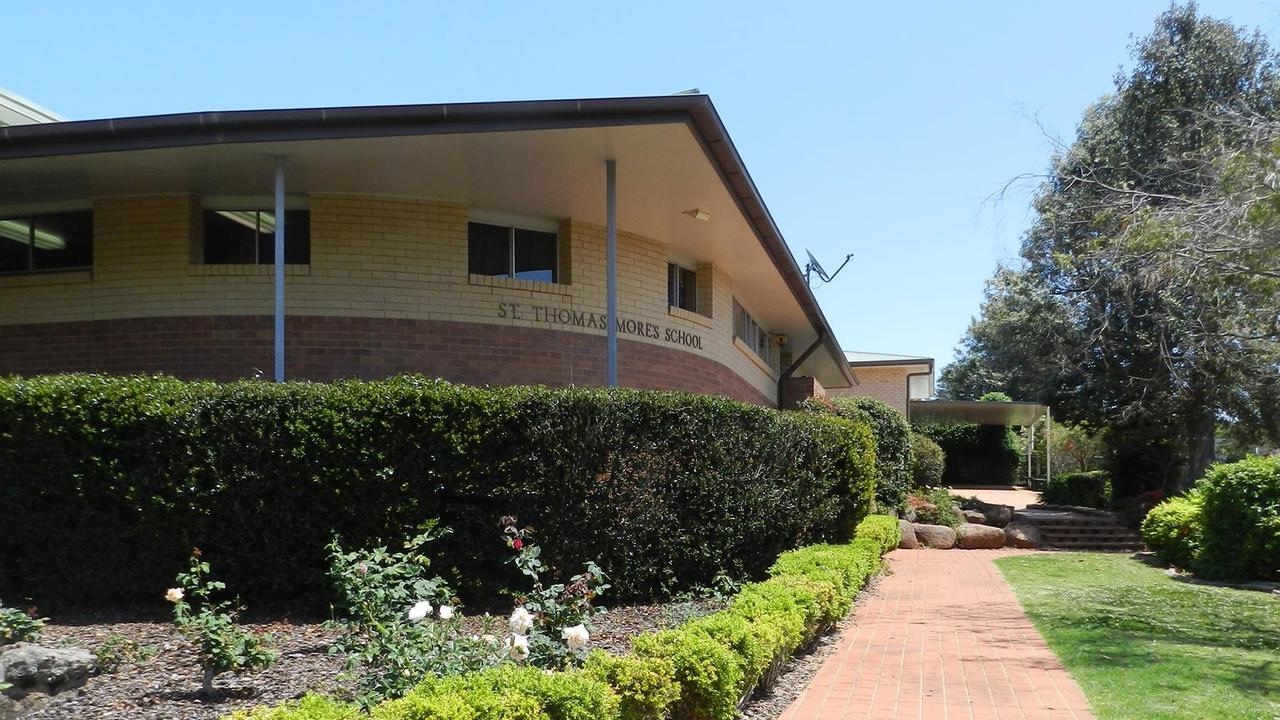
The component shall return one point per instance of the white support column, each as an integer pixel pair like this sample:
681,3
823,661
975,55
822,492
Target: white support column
1048,444
279,270
611,269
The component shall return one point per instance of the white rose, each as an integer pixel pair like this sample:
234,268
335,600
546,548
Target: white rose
518,648
576,637
420,610
491,639
173,595
521,621
446,612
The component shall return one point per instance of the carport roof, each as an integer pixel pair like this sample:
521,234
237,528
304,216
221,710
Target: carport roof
977,411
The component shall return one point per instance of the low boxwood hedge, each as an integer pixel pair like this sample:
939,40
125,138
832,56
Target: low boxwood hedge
110,481
698,671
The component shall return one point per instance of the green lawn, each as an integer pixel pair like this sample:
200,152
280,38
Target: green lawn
1145,646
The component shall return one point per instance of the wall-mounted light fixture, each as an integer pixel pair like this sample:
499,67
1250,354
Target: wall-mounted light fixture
698,214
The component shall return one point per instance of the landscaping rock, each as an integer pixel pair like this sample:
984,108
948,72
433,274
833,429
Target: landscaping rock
972,536
1022,535
991,513
909,540
31,668
974,516
935,536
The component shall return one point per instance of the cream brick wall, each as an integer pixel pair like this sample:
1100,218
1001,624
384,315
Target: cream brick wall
886,383
370,257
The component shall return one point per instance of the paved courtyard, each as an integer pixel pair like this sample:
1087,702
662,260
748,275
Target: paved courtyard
999,494
941,638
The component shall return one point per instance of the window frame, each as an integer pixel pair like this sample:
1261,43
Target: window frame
676,286
751,334
512,224
31,217
256,205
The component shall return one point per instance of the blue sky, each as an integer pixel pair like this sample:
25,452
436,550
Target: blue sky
874,128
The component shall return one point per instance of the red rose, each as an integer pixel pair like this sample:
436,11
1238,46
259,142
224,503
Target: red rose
517,543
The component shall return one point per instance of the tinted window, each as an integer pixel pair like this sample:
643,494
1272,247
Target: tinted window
682,288
55,241
63,241
535,255
247,237
488,249
15,245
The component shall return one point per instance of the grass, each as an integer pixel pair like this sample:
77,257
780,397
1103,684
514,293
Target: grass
1143,645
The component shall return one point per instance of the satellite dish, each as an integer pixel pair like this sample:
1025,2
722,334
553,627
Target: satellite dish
813,266
816,266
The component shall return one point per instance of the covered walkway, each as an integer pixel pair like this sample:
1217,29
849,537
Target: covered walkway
941,638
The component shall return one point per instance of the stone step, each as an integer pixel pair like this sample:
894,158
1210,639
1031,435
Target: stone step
1085,531
1116,537
1116,546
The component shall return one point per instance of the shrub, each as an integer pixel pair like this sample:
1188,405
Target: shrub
121,475
892,442
19,626
1174,528
883,529
646,687
1082,489
211,623
697,671
928,462
399,623
977,454
708,672
935,506
505,693
558,615
1241,520
309,707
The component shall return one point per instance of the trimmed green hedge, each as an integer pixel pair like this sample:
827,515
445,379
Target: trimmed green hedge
976,454
1174,529
109,482
928,462
1241,520
1082,489
697,671
893,442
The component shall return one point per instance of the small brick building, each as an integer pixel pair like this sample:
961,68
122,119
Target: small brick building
467,242
891,379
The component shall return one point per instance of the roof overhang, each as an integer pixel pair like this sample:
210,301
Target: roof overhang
540,157
977,412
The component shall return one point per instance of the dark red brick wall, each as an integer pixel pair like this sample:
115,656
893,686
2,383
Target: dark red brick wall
230,347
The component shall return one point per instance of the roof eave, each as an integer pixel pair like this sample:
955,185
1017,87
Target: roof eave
205,128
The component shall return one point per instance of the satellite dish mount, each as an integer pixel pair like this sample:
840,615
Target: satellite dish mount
814,267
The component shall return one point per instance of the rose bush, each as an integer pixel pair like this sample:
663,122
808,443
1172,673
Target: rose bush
211,622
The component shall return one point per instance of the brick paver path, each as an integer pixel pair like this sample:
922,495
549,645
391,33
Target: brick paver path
941,638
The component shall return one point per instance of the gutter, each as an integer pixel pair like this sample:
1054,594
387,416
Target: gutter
250,126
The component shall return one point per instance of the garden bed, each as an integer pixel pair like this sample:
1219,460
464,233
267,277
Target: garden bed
159,674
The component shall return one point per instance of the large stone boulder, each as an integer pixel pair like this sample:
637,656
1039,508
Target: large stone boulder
987,513
909,541
1022,535
31,668
935,536
972,536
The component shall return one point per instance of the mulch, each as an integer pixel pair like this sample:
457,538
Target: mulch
162,681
